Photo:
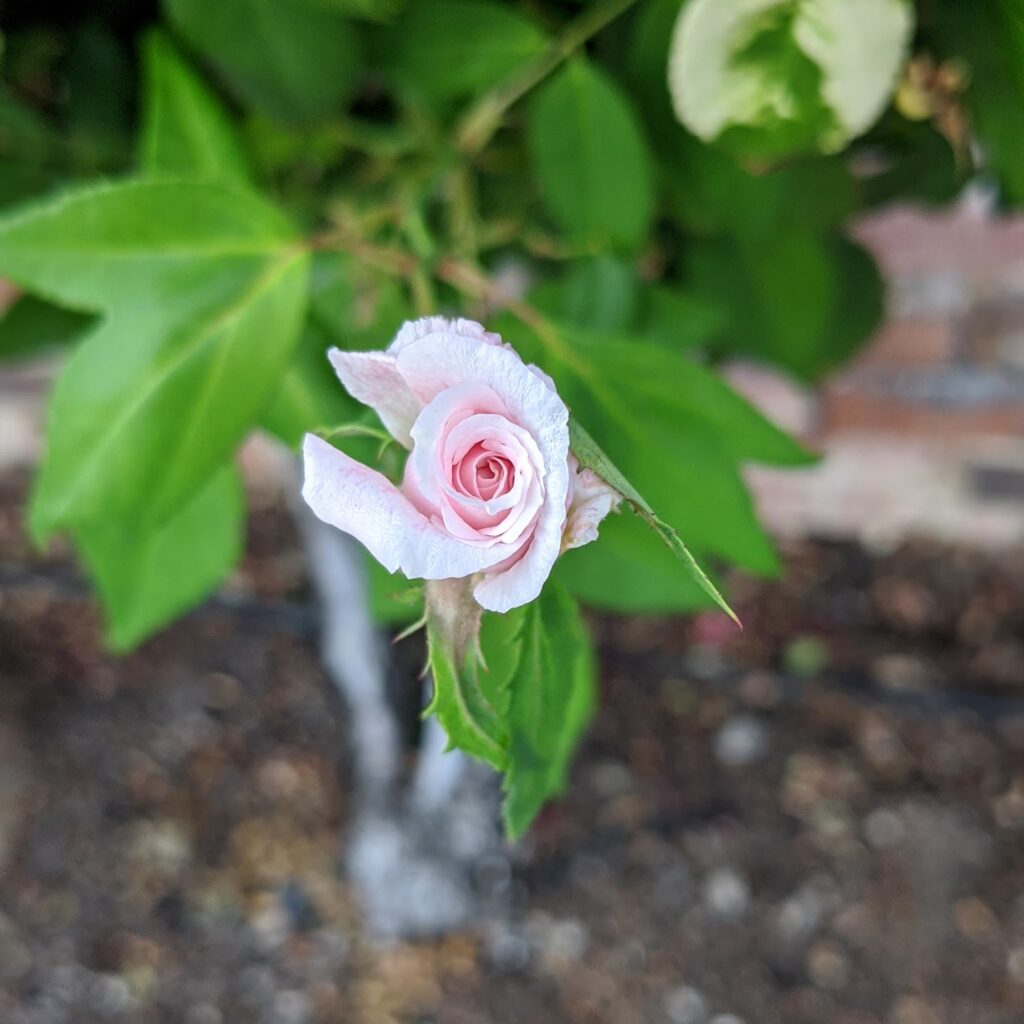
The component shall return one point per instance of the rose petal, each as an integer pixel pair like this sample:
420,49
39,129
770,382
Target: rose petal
432,425
436,362
592,500
413,330
443,360
373,379
366,505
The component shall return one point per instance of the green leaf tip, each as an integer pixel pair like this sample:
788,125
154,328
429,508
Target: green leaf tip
591,456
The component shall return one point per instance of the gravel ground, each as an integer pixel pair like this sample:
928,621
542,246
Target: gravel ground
820,819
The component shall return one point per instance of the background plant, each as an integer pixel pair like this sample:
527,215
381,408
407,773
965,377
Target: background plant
205,196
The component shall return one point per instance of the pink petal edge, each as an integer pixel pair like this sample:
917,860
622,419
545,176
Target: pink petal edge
373,379
363,503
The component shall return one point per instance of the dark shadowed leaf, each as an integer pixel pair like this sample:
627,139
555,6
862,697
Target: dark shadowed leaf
807,308
203,292
292,60
445,49
590,156
32,326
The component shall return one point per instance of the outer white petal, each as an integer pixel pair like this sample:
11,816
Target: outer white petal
413,330
592,500
373,379
365,504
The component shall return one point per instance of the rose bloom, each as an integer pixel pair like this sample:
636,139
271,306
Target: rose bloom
490,490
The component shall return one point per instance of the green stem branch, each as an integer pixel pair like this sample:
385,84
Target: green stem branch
483,119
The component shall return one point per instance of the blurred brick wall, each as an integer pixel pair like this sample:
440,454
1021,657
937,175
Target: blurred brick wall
924,431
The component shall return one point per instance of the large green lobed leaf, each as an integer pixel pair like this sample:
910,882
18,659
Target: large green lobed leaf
203,291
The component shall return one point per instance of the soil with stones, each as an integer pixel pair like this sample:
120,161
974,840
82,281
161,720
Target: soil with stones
819,819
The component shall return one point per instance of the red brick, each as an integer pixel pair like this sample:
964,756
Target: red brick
918,342
849,408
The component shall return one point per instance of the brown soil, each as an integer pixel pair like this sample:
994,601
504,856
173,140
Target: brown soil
820,819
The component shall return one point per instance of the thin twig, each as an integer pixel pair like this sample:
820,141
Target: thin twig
482,120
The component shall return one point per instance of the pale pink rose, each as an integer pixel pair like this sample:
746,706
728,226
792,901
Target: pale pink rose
490,488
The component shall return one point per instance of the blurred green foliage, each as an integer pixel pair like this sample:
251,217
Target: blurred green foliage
412,142
201,197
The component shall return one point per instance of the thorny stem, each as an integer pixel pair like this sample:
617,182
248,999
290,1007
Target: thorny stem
482,120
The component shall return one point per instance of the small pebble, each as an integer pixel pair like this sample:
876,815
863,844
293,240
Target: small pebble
828,967
1015,965
204,1013
291,1007
726,1018
558,944
110,995
884,829
685,1005
913,1010
743,740
726,894
611,778
271,926
506,949
800,916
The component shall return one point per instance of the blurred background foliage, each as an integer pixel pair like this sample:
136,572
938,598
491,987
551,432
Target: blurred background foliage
382,160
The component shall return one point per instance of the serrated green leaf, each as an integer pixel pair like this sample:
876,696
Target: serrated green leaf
31,326
590,156
630,571
712,194
451,48
390,600
470,721
678,432
203,291
185,130
291,60
146,580
590,456
551,697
